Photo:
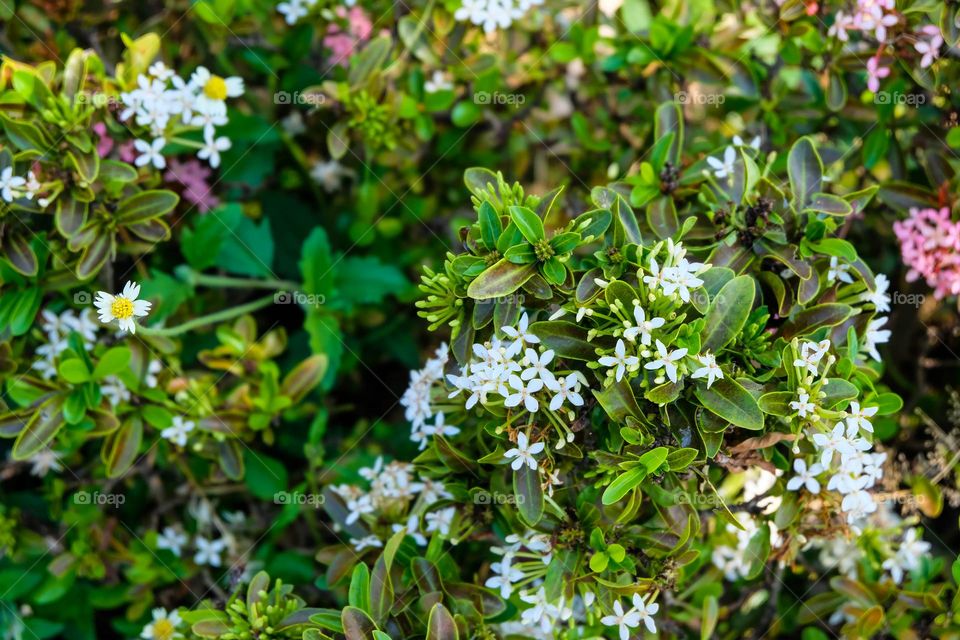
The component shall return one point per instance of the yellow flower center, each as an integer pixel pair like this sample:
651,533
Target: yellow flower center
121,308
216,88
163,630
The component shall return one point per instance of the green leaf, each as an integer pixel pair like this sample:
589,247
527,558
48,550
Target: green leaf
827,203
809,320
623,484
662,217
113,362
727,399
366,280
490,225
500,279
24,134
74,371
727,313
567,339
146,205
805,170
359,595
529,224
441,625
618,401
886,403
554,271
40,430
201,244
247,247
265,476
680,459
654,458
356,624
122,446
835,247
529,494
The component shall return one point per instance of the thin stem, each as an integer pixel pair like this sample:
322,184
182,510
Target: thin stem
212,318
229,282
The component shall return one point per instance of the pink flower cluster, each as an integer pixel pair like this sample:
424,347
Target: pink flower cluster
930,246
342,44
193,176
877,18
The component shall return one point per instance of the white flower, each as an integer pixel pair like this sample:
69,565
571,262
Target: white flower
122,307
177,432
357,506
810,355
835,441
329,174
805,477
437,82
164,625
754,144
153,370
44,461
620,361
857,505
520,332
9,182
366,542
440,428
879,297
567,390
412,529
292,11
802,405
667,360
643,328
504,582
537,367
490,14
524,394
208,551
441,520
646,611
624,620
874,336
150,153
839,271
172,540
523,453
214,90
212,147
859,418
710,369
724,168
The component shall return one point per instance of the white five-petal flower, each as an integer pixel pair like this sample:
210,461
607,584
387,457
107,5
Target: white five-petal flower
524,453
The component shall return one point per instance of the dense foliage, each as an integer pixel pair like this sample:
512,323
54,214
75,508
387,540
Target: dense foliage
479,319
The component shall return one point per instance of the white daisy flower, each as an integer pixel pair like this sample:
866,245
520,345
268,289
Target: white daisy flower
123,307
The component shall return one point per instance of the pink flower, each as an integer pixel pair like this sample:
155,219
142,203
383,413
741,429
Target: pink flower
193,176
105,144
875,72
342,44
930,48
930,247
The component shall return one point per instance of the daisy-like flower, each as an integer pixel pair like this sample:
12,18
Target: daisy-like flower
163,626
620,361
441,520
805,477
208,551
875,73
643,328
171,540
723,168
524,453
214,90
537,367
625,620
860,418
929,49
123,307
150,153
520,331
177,432
753,144
668,360
646,611
43,462
212,147
828,443
710,369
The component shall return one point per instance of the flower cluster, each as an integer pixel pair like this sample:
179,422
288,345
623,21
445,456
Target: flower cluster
14,187
523,559
165,105
930,247
879,20
57,329
493,14
398,497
